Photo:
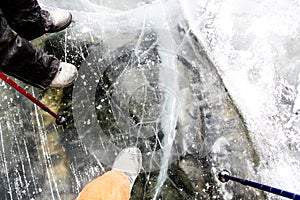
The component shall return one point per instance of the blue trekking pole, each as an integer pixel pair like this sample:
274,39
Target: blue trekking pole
224,177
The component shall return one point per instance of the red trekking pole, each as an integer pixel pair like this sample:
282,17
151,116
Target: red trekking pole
60,120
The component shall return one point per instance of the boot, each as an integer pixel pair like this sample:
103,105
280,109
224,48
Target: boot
129,161
65,76
57,20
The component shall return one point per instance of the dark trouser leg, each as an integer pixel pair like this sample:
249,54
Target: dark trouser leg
25,17
20,59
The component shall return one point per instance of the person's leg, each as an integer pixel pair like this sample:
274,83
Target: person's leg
28,19
25,17
20,59
112,185
117,183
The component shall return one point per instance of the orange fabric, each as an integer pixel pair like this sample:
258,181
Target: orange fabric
112,185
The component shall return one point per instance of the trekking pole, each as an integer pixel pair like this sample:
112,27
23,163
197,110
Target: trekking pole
224,177
60,120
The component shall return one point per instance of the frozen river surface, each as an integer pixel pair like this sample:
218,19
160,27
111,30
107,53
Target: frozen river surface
198,86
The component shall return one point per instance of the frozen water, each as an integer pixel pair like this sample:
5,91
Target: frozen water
198,86
255,47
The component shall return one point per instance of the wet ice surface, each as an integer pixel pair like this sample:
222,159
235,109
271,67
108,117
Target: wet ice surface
151,75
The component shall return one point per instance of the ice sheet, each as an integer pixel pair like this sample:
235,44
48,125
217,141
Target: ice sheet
198,86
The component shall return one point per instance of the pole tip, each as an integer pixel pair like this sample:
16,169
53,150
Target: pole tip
223,176
61,121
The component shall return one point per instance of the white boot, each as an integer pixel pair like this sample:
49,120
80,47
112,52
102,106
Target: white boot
57,20
129,161
65,76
